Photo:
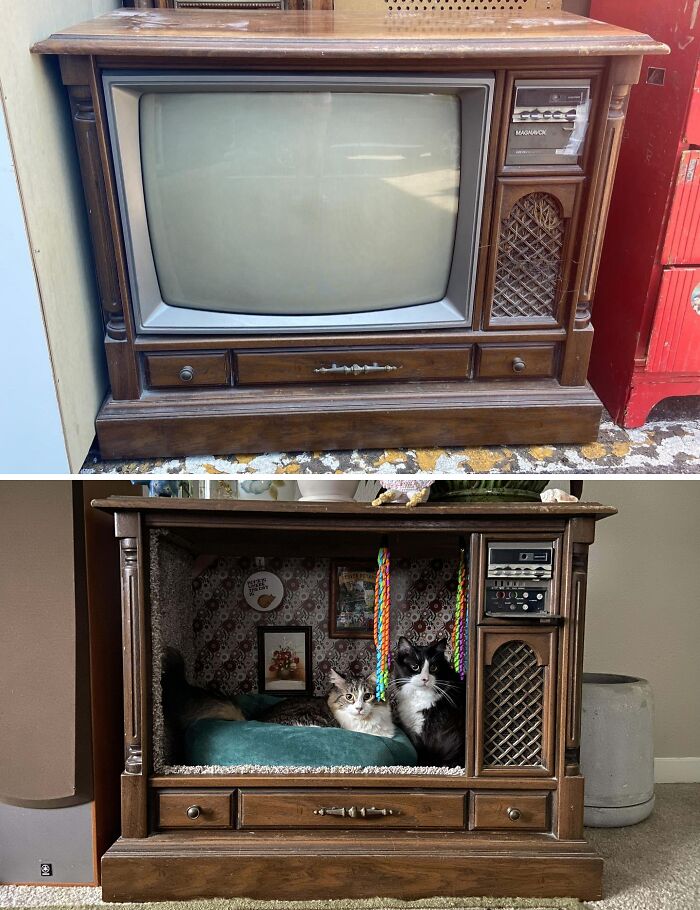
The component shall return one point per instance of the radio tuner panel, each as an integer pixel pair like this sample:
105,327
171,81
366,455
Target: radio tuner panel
518,579
549,122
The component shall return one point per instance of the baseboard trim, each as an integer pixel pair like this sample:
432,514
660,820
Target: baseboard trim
677,770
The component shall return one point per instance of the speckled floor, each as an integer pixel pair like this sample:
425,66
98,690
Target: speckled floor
667,444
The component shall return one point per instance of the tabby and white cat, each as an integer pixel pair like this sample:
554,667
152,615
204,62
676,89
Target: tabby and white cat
430,702
354,705
351,705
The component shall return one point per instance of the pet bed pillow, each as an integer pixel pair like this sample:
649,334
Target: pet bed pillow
250,742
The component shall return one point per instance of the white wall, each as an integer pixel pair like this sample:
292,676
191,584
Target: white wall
32,439
41,138
643,615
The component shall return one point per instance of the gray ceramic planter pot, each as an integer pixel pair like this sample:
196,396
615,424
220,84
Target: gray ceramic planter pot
617,750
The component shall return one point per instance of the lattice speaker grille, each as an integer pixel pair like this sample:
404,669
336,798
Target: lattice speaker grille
470,6
514,708
228,4
529,259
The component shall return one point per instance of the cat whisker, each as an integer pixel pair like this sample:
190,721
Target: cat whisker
440,690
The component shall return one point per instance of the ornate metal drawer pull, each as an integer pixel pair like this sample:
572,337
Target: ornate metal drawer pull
356,369
356,812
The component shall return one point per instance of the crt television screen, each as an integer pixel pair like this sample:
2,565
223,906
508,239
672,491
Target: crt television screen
301,203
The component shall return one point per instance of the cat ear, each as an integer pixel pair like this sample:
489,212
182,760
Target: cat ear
337,680
441,645
404,646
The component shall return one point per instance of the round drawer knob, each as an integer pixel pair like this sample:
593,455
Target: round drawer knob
518,364
187,374
194,812
514,814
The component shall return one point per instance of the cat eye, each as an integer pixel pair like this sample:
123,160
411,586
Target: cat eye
433,668
415,668
350,697
367,696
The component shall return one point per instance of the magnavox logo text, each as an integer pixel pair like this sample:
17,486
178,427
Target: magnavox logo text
531,132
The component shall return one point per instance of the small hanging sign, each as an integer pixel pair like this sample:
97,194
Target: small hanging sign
263,591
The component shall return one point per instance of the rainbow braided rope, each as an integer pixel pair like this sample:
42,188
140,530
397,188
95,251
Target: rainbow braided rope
382,615
460,633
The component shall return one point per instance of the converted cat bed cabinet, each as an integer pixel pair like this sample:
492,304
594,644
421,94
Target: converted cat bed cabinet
508,823
493,189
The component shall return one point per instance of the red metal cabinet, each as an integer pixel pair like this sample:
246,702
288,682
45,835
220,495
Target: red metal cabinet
647,304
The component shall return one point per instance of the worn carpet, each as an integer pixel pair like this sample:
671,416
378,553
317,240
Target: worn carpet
668,444
75,898
651,866
654,865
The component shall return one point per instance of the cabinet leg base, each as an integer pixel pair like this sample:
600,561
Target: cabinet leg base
428,416
292,867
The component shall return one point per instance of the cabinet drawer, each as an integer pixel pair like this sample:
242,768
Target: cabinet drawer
351,809
195,808
516,361
169,371
361,365
510,811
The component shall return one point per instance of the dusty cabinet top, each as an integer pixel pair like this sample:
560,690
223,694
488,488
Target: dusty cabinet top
431,513
294,35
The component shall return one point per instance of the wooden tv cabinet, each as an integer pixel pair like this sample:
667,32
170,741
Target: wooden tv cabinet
515,374
510,825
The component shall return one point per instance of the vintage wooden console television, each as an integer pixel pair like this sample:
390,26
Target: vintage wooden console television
505,360
511,824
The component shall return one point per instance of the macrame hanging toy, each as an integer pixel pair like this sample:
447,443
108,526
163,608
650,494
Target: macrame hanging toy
460,633
382,615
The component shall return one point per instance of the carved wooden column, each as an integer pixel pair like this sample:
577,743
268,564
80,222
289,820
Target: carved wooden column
569,818
624,74
106,240
135,776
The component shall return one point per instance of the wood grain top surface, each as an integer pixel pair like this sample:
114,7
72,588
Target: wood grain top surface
231,34
353,509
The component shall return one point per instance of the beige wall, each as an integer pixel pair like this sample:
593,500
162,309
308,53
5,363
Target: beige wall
644,599
41,137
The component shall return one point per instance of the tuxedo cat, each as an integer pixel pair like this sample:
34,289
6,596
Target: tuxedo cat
351,705
430,702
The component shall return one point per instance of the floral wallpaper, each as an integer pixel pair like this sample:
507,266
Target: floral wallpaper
223,626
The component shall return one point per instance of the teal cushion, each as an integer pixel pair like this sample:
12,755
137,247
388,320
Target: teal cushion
249,742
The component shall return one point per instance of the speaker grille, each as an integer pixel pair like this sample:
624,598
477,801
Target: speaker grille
529,259
229,4
514,708
469,6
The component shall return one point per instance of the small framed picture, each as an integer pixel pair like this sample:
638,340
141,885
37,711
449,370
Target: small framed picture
351,607
284,660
